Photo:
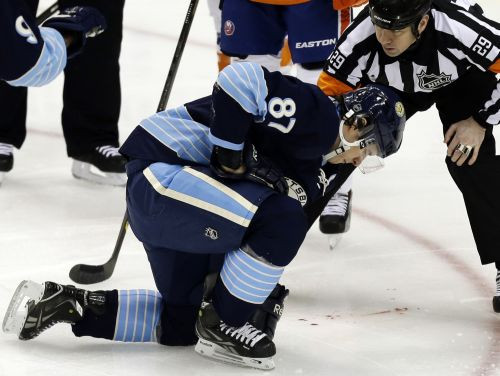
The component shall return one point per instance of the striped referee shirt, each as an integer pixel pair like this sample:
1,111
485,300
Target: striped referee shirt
457,38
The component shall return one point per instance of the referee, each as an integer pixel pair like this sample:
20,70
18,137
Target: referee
442,52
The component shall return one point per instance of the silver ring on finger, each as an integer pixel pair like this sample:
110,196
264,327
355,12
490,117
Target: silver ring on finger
464,149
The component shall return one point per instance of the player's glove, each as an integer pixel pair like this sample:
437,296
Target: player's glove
253,167
222,159
269,313
77,23
262,170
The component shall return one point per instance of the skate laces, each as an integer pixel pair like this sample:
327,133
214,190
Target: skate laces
108,151
337,205
247,333
6,149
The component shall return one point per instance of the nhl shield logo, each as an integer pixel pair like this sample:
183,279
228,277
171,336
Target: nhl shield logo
229,28
211,233
432,81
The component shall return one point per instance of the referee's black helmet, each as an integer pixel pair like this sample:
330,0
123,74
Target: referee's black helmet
398,14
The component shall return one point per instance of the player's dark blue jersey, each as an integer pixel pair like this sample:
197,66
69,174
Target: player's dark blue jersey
29,56
291,122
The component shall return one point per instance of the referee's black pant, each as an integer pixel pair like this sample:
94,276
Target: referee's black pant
92,94
479,183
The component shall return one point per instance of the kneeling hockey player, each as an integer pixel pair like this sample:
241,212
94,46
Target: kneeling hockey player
220,184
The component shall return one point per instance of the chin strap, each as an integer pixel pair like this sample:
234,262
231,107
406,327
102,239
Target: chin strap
341,149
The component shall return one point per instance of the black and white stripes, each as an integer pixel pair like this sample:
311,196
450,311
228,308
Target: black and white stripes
497,293
457,38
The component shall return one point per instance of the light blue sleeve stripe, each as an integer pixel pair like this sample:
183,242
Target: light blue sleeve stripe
225,144
174,178
245,83
179,132
50,63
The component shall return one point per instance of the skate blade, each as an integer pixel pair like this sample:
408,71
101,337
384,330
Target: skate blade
86,171
334,240
216,352
2,177
17,312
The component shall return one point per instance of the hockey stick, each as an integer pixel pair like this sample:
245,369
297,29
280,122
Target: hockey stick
50,11
88,274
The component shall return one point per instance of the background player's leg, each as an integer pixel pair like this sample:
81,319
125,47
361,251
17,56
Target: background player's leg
222,59
253,32
311,42
496,298
13,104
92,99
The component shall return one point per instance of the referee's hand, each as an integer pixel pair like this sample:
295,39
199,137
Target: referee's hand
462,134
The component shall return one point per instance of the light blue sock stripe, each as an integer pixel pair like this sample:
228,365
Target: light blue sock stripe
247,283
234,290
132,315
139,324
120,317
251,266
139,312
245,83
243,292
50,63
248,276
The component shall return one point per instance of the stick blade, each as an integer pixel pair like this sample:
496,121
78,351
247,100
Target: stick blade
89,274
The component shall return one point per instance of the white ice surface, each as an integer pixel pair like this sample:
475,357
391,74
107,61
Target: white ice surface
402,294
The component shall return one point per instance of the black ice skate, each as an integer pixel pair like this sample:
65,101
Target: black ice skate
6,159
103,165
36,307
336,217
496,298
245,346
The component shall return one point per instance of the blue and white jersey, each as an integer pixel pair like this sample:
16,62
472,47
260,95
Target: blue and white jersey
291,122
29,56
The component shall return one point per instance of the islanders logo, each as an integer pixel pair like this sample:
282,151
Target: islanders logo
229,28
